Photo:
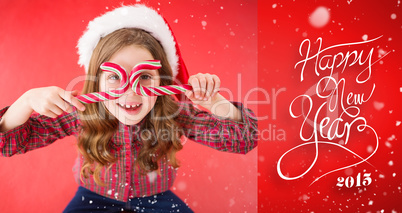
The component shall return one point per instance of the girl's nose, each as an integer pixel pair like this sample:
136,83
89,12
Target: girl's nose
130,91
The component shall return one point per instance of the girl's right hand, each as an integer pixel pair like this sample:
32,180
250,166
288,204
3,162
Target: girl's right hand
52,101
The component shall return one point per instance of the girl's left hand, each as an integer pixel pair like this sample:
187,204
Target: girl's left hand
205,87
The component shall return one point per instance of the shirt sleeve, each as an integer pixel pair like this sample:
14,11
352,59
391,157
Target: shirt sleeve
217,132
39,131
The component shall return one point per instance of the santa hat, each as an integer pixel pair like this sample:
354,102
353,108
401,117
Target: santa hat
136,16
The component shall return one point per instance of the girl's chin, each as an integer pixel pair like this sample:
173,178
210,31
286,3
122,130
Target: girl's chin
129,116
129,121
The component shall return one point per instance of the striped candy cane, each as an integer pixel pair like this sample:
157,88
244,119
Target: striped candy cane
134,81
153,91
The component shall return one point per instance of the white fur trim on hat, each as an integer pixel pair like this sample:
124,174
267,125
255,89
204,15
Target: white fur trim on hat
137,16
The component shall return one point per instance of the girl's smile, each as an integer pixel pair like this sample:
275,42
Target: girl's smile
130,108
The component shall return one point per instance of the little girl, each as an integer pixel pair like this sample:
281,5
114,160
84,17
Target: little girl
128,145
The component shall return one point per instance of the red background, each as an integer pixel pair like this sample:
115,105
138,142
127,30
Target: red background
283,25
37,48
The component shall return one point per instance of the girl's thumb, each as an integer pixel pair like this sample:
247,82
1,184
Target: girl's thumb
74,93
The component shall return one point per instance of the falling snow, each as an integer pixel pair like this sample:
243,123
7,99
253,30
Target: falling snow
231,202
391,163
388,144
320,17
370,149
204,24
393,16
378,105
381,53
304,197
152,176
348,171
364,37
391,138
181,186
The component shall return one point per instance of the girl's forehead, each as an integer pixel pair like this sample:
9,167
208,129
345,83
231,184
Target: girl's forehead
131,55
130,71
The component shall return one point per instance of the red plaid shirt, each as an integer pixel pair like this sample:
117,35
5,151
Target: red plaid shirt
123,181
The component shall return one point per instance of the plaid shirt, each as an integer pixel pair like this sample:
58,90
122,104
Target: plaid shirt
123,181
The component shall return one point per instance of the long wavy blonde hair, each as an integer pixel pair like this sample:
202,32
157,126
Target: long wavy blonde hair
99,125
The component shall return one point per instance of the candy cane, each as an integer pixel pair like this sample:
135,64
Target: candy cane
134,81
109,95
153,91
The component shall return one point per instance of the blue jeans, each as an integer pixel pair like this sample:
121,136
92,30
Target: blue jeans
88,201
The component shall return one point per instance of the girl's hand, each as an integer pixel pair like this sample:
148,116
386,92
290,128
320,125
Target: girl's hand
205,93
52,101
205,88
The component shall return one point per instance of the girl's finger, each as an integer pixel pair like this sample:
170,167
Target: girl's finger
63,105
75,102
217,85
210,87
49,114
203,87
69,97
196,87
189,93
74,93
54,111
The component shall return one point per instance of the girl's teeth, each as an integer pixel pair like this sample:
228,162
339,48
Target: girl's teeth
129,106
